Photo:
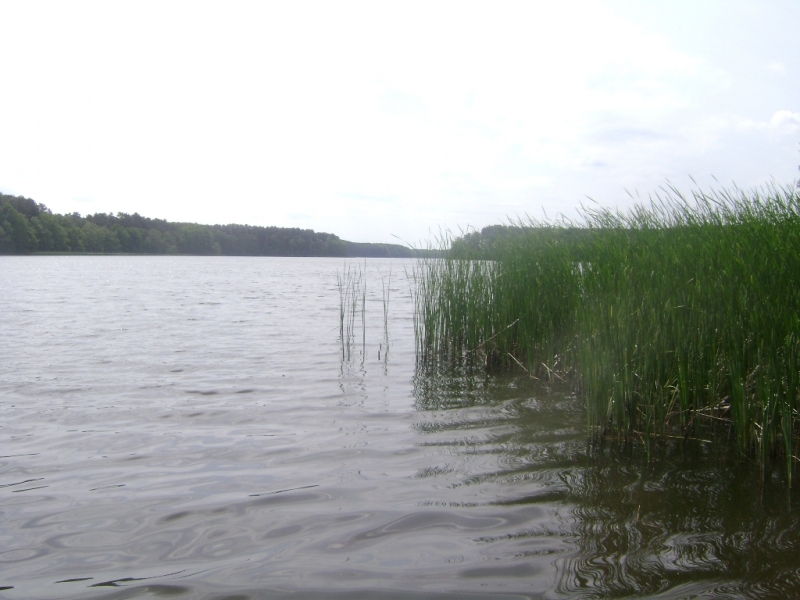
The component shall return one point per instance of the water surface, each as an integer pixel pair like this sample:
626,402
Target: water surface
189,427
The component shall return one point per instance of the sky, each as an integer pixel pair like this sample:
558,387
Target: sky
392,121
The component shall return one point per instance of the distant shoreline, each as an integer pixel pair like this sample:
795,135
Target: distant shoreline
30,228
420,253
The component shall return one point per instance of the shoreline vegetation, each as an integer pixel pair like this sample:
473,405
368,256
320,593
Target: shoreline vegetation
28,227
675,321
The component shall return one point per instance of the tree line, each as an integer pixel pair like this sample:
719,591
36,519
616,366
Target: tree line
28,227
495,241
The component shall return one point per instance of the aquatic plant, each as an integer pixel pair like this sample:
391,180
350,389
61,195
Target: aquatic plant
352,287
386,291
676,319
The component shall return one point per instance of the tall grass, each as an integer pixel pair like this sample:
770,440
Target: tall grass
352,287
386,291
674,320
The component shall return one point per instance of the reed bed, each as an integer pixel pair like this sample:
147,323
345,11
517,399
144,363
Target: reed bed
674,320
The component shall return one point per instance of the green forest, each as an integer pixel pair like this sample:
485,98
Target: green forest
28,227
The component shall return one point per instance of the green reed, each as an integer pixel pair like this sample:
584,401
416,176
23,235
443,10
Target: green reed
386,291
676,320
386,285
352,287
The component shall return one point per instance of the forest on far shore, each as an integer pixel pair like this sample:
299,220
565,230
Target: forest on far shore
28,227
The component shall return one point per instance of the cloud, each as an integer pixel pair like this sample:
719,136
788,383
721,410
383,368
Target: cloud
597,164
783,121
627,134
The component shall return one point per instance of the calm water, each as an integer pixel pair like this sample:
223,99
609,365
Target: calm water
188,427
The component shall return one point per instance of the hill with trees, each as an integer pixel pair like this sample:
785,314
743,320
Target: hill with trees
28,227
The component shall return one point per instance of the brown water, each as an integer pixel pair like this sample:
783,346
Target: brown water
188,427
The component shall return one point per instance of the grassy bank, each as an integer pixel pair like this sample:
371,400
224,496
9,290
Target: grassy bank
674,320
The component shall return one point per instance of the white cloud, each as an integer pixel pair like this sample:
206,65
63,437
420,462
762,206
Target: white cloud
785,120
782,121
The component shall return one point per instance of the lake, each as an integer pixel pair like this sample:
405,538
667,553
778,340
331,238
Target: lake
191,427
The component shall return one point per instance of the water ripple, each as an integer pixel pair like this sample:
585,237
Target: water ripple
184,426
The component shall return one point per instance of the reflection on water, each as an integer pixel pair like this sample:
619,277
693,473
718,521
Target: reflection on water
692,522
699,526
188,427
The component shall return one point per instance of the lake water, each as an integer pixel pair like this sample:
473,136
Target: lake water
189,427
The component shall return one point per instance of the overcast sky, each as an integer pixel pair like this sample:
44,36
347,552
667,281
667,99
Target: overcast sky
379,119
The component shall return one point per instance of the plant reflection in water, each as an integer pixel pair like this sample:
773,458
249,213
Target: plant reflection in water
694,519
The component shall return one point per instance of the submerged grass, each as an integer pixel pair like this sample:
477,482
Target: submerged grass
675,320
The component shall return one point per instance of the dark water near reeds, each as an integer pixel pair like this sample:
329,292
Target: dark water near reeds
188,427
